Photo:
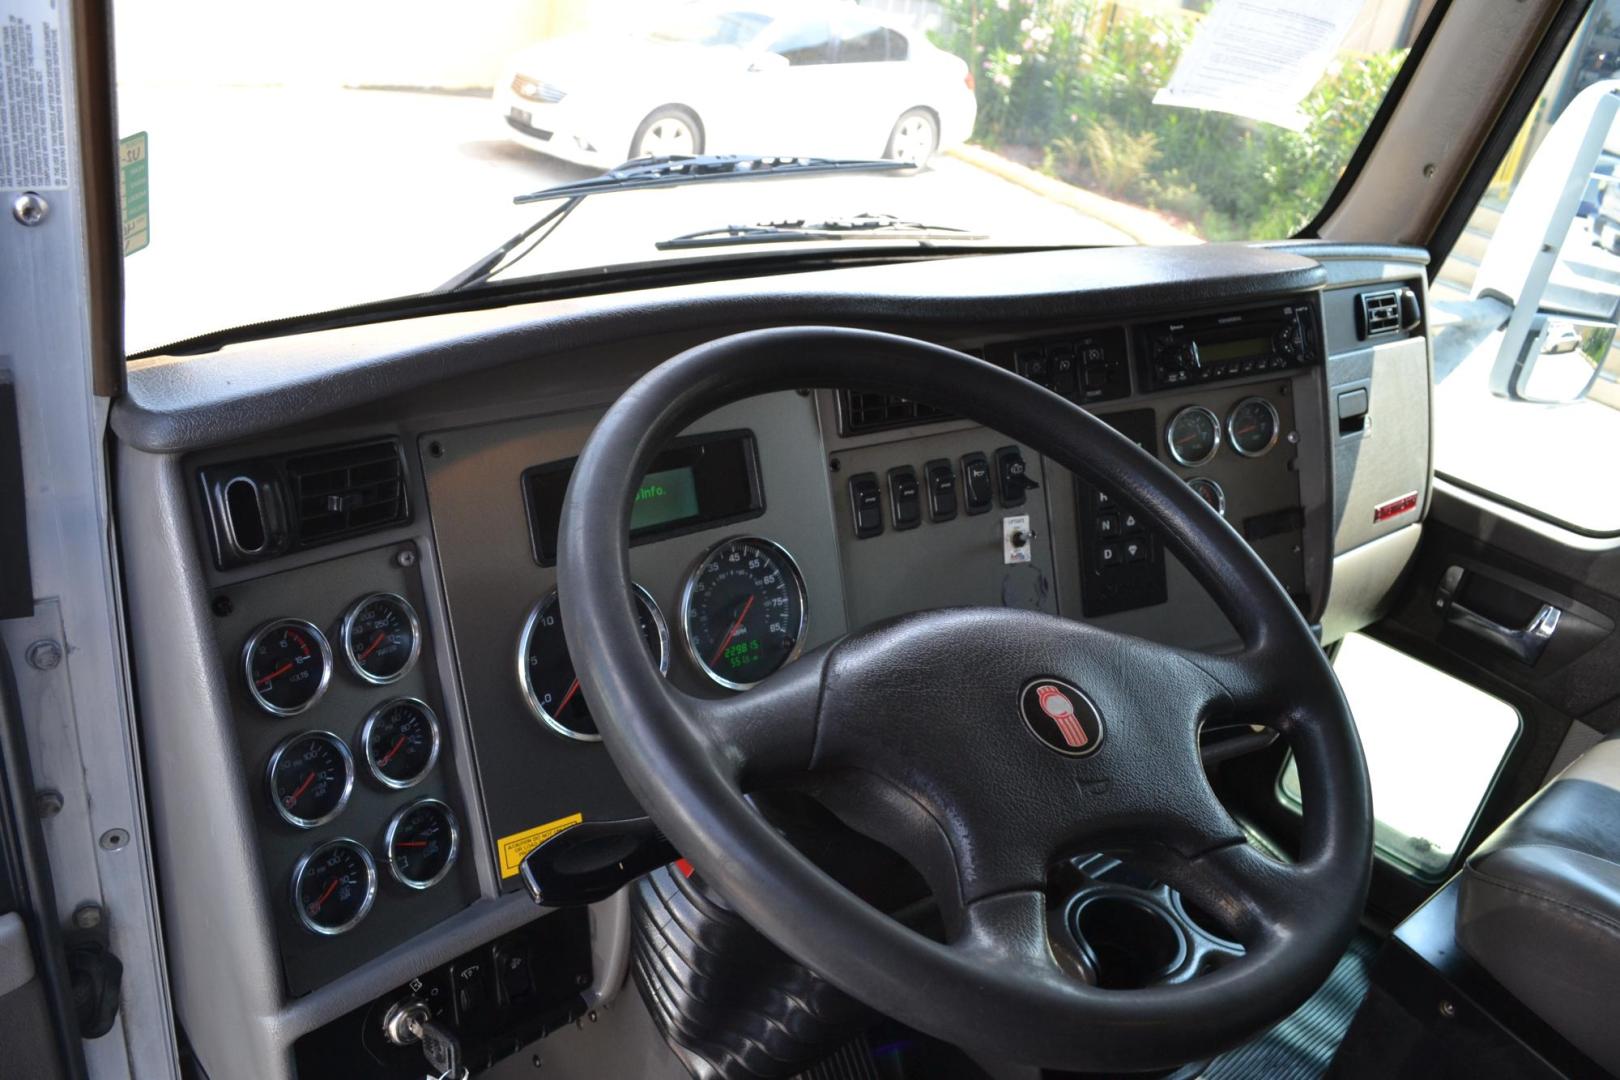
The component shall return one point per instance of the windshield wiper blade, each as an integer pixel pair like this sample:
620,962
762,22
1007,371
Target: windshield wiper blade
677,169
650,172
860,227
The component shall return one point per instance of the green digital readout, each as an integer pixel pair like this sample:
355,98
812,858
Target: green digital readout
665,497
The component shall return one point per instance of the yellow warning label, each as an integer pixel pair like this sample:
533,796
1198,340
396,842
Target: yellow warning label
513,848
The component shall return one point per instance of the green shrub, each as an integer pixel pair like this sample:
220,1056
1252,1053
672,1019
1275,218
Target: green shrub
1074,79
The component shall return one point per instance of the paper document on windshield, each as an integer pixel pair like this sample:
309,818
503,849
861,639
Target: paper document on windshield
1259,58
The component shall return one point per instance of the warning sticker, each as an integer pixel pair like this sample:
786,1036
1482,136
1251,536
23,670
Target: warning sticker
513,848
33,117
133,195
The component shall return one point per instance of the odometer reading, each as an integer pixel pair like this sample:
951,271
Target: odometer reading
333,886
287,664
743,611
422,841
381,637
546,672
400,740
311,776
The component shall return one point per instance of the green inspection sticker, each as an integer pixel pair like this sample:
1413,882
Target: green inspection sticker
133,194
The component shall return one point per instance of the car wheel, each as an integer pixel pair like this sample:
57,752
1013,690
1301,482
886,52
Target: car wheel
667,131
915,137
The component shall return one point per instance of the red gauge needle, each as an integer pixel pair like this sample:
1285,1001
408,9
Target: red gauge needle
308,780
376,641
736,626
276,674
573,688
316,906
386,758
410,843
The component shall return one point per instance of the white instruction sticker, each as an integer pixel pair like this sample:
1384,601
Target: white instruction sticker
33,116
1259,58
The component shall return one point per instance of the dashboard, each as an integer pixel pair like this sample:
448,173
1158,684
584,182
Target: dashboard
383,717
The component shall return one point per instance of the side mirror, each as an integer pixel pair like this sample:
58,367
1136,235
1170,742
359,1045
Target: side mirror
1550,260
767,61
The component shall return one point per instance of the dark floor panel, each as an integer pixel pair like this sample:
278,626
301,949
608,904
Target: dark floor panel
1301,1047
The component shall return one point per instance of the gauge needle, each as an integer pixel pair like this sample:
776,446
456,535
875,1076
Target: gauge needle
573,688
280,671
316,906
308,780
736,626
410,843
386,758
376,641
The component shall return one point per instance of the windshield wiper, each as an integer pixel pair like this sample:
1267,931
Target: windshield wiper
860,227
650,172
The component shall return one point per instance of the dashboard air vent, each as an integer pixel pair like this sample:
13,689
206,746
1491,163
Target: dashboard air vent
863,412
348,490
1378,313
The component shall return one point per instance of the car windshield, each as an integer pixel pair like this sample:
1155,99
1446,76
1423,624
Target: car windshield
282,160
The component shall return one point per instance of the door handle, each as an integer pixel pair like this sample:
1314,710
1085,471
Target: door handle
1525,644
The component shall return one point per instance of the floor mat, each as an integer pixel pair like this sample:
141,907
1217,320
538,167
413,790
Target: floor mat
1301,1047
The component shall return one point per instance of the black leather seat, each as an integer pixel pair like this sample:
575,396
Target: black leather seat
1539,904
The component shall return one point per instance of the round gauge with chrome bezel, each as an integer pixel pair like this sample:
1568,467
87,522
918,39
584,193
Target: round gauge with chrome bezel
743,611
1210,492
287,663
1193,435
400,742
1253,426
381,637
333,886
546,672
311,775
421,843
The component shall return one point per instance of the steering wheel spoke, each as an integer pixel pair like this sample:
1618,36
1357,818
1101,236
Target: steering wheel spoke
767,734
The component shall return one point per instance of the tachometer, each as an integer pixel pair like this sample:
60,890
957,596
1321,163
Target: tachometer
1253,426
381,637
400,740
546,673
421,842
743,611
333,886
1194,434
311,775
288,664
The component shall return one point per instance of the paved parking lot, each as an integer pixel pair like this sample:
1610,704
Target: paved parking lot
275,201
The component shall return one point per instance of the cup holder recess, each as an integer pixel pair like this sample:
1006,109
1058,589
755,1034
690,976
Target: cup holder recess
1130,941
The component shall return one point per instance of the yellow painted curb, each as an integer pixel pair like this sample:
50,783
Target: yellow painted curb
1143,226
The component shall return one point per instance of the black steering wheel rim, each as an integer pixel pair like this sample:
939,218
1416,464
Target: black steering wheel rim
685,761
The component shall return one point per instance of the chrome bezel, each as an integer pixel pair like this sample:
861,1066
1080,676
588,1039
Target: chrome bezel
348,779
797,578
1276,428
326,665
393,828
348,624
1220,492
365,905
365,742
1170,442
526,685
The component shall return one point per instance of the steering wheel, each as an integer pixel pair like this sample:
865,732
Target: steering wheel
948,750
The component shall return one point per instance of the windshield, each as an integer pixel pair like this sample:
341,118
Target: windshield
281,160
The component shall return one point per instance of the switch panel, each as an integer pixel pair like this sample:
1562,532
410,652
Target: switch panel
865,506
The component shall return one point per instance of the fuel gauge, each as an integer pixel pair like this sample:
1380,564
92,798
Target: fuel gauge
421,842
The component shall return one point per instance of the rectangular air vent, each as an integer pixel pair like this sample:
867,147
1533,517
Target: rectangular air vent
340,492
862,412
1378,313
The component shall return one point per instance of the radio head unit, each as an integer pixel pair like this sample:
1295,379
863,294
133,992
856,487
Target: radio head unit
1210,348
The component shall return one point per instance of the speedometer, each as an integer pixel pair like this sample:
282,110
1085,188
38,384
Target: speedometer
743,611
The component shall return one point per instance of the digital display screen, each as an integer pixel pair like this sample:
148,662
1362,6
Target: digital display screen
665,498
1237,349
697,482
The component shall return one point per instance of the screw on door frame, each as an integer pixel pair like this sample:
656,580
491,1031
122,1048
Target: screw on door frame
29,208
114,839
44,655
